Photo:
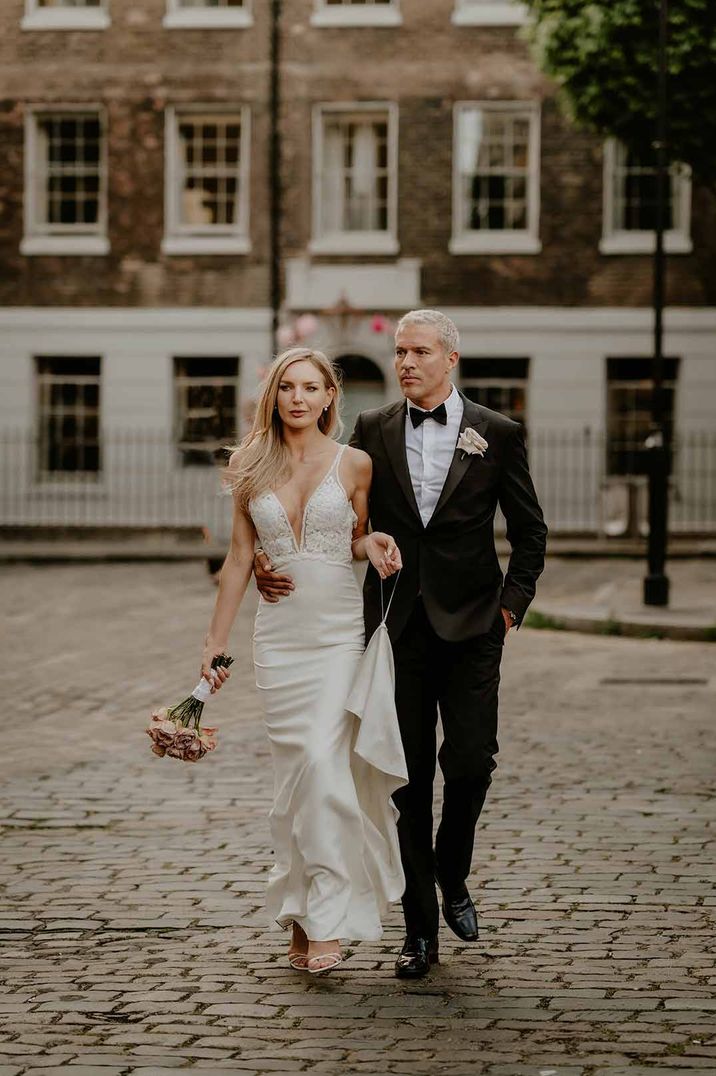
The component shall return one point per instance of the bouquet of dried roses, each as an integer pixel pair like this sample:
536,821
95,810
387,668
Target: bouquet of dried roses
169,726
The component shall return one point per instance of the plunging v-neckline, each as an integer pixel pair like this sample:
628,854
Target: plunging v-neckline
298,542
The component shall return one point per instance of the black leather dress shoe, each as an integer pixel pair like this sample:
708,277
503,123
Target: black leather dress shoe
459,913
416,957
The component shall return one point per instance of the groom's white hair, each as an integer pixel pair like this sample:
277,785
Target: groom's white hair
447,329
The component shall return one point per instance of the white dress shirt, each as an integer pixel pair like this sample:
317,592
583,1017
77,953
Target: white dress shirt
430,449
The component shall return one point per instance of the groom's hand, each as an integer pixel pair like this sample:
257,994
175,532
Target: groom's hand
271,585
508,620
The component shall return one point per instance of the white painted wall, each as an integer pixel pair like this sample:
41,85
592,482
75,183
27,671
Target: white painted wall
567,349
137,349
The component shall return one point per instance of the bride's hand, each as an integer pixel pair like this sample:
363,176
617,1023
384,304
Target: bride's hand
216,676
383,554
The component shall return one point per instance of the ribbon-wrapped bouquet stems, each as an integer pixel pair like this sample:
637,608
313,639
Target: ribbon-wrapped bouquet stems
175,731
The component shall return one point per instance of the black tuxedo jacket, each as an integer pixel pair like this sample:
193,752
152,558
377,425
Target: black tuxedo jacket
453,562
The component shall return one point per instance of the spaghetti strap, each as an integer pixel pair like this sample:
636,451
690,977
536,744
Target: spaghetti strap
335,468
338,457
384,614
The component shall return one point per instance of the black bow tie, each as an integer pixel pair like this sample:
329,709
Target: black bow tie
439,413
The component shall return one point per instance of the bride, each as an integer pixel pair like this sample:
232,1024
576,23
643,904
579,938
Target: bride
305,497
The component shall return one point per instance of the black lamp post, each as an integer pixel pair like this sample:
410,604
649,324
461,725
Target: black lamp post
656,582
275,170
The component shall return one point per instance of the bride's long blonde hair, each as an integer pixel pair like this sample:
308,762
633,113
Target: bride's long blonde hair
261,461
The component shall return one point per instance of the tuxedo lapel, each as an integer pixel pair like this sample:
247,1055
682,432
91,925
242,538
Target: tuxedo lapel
393,432
471,416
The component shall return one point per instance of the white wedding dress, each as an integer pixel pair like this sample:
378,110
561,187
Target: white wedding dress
333,824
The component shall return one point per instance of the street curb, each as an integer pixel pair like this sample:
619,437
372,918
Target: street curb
558,620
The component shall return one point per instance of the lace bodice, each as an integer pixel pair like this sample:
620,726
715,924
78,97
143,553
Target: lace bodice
327,526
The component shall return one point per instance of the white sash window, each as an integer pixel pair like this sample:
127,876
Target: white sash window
355,180
65,182
207,207
496,178
630,204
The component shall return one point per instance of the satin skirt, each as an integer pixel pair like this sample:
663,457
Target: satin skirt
335,867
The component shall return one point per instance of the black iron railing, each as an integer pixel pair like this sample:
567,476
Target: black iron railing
145,481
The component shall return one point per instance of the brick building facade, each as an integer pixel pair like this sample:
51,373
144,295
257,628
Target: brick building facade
425,162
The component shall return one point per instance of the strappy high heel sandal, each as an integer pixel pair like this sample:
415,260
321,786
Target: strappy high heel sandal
297,960
319,965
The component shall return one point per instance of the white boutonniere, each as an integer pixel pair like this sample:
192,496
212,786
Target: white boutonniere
471,443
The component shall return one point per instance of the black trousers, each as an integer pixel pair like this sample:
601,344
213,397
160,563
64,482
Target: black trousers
462,679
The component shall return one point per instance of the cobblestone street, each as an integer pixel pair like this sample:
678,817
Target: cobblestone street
133,931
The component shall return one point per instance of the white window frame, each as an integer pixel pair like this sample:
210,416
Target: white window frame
489,13
37,240
177,17
619,241
356,14
65,18
211,239
498,240
365,242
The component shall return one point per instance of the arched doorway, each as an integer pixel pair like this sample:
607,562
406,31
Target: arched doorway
363,388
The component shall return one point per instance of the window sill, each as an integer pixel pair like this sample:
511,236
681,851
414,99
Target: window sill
357,17
355,243
644,243
208,19
206,244
66,19
495,243
497,13
69,245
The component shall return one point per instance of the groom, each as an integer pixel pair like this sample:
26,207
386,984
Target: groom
441,465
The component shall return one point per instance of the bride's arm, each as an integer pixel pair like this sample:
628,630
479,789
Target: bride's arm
233,581
380,549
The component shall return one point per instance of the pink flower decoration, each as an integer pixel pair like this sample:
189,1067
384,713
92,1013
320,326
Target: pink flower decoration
285,336
306,325
380,324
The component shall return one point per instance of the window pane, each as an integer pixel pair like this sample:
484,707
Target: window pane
634,192
493,155
629,395
497,383
70,176
206,391
68,390
210,150
355,173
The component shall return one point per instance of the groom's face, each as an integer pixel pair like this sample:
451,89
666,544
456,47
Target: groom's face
422,365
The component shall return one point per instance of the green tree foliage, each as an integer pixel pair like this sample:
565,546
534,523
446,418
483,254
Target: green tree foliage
603,54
